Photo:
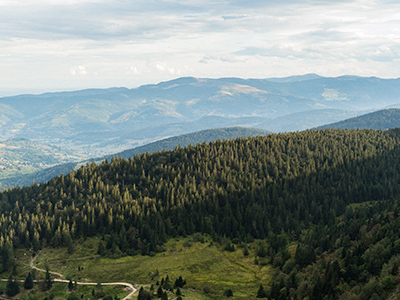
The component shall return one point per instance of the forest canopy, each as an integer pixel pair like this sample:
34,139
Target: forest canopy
327,190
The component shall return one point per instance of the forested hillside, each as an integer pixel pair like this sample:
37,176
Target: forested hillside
164,144
334,194
381,119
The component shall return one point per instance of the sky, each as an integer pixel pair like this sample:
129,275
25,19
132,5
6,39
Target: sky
54,45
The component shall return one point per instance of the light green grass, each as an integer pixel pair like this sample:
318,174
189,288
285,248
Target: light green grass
201,264
60,291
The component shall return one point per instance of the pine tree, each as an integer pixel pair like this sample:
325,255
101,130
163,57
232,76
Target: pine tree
159,292
70,248
14,271
28,284
228,293
70,285
164,296
261,292
100,249
48,283
12,287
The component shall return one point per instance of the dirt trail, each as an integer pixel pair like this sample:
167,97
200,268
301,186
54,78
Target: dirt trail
128,285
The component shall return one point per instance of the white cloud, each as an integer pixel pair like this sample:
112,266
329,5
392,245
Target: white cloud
202,38
79,70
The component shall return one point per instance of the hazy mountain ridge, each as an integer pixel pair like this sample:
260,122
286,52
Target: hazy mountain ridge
382,119
100,120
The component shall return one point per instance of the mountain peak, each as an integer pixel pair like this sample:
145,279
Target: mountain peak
295,78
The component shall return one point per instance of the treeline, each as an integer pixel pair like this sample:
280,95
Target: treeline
306,187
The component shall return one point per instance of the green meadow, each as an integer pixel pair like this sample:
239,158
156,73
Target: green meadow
207,268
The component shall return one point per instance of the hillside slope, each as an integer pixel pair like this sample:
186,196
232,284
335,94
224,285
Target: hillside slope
165,144
382,119
322,208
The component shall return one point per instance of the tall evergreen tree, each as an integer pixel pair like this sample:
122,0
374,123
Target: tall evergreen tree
261,292
70,285
48,283
28,283
12,287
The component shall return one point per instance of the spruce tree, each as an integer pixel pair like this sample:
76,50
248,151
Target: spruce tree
28,284
70,285
159,291
228,293
164,296
12,287
261,292
48,283
100,249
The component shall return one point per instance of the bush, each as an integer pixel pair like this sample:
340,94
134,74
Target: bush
206,289
228,293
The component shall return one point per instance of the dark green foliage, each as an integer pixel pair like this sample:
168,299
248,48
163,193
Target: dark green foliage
28,283
70,245
261,292
164,296
334,193
108,297
179,282
228,293
246,251
261,250
178,292
101,249
14,270
381,119
48,283
73,296
159,292
12,287
167,284
70,285
305,255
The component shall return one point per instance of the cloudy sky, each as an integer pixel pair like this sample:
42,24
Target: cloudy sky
48,45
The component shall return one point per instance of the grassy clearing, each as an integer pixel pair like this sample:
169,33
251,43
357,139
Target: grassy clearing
60,291
205,266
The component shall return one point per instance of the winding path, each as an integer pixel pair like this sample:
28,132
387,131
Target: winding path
128,285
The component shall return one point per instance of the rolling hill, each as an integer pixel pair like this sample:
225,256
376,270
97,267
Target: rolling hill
166,144
382,119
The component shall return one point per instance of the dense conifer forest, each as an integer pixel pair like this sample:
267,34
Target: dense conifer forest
334,193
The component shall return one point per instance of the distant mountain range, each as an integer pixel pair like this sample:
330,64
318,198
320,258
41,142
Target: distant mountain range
382,119
165,144
101,121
